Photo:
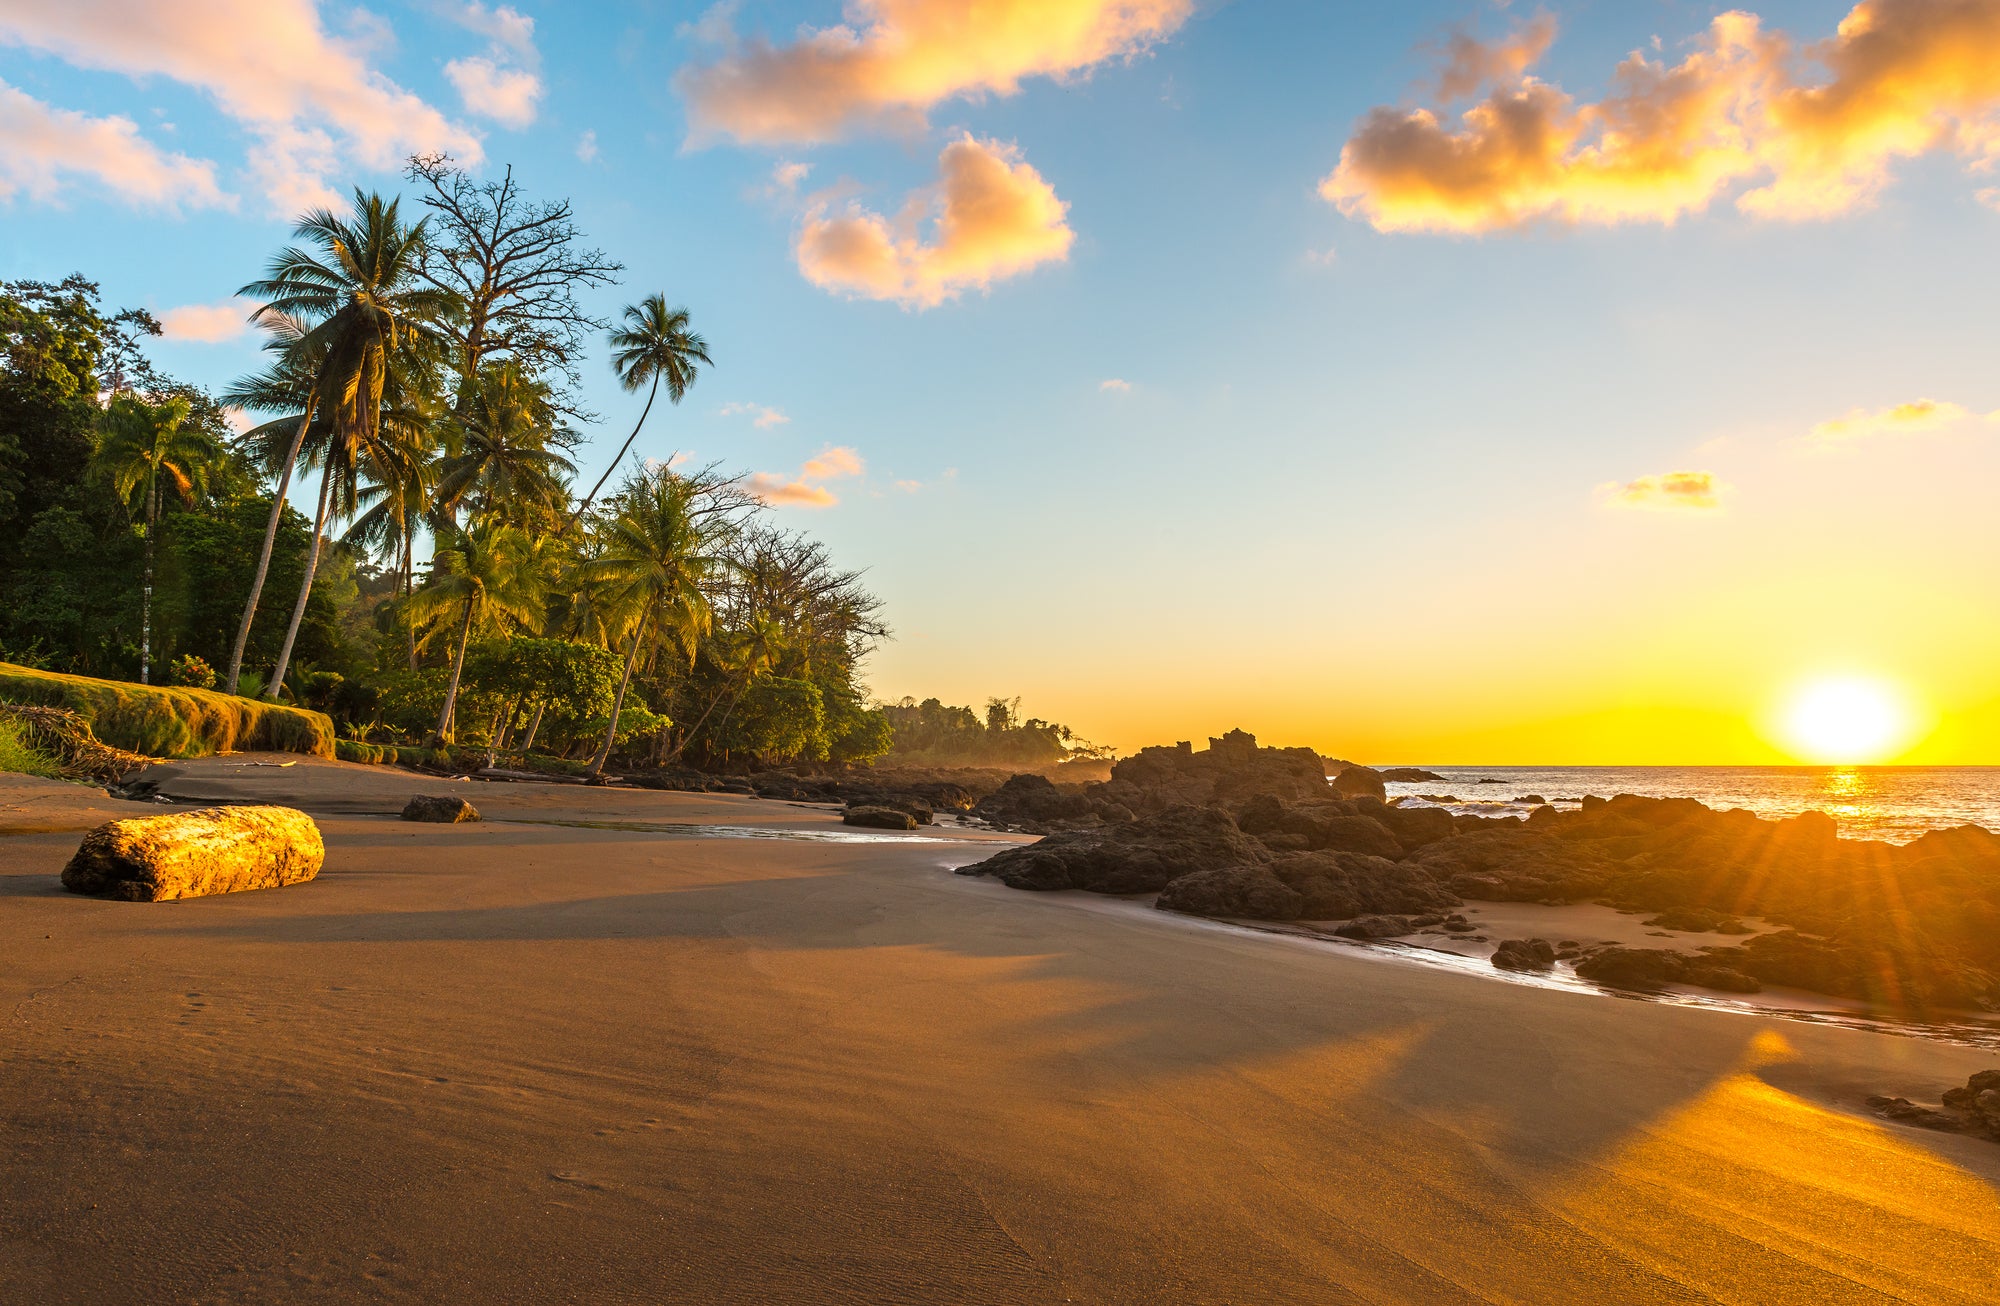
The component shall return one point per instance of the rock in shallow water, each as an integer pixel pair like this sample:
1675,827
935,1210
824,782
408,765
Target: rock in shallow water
878,818
192,854
1524,954
443,810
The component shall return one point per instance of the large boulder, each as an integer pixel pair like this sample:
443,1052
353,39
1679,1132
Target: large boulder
1524,954
1142,856
191,854
446,809
1360,782
878,818
1250,892
1230,771
1031,798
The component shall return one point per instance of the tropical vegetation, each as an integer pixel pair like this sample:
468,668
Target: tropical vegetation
449,585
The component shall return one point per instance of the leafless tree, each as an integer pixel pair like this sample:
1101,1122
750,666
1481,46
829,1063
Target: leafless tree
518,264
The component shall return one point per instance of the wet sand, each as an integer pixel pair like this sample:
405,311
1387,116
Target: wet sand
529,1062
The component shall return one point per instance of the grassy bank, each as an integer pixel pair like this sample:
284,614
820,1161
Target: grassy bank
171,722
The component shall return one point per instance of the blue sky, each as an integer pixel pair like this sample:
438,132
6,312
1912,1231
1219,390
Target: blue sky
1374,489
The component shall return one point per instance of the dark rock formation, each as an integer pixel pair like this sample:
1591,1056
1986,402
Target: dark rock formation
1228,773
1974,1109
1524,954
1249,891
1378,927
1143,856
1360,782
1026,798
1409,775
191,854
1650,968
443,809
878,818
1338,885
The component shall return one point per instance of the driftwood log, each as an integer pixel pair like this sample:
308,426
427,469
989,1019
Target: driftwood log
190,854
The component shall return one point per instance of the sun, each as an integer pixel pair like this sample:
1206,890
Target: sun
1847,721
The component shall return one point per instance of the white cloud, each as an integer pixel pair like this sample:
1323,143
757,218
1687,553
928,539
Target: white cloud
41,146
311,101
508,29
506,95
1116,385
761,417
586,147
207,324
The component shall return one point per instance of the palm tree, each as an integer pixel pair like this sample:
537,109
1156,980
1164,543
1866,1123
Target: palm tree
339,316
144,442
661,554
656,345
396,499
484,573
501,463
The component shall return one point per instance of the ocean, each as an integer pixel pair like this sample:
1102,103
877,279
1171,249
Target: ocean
1896,803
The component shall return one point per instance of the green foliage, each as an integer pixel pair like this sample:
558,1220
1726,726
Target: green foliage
19,757
191,672
171,722
571,683
780,720
932,733
856,733
353,750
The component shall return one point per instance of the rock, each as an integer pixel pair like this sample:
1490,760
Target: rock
1698,920
1356,834
1340,885
1904,1111
1250,891
1376,927
1632,968
190,854
1360,782
1414,827
1031,798
878,818
443,809
1532,800
1721,978
1409,775
1524,954
1140,856
1232,770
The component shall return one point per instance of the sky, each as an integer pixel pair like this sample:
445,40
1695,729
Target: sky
1434,382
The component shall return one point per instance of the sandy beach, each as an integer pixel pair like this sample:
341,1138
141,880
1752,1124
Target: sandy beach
540,1060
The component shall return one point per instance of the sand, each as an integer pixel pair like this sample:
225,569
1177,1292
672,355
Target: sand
513,1062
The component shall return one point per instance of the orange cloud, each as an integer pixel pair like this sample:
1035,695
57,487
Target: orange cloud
1915,418
803,490
1471,63
207,324
1812,133
1670,492
892,60
991,216
312,102
40,144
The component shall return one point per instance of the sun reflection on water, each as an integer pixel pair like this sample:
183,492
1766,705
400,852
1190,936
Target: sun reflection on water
1847,794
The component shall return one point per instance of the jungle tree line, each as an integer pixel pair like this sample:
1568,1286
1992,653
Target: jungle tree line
424,379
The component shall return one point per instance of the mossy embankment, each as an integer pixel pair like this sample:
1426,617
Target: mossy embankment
169,721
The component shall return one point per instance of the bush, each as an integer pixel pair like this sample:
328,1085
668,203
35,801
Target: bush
171,722
191,672
20,757
353,750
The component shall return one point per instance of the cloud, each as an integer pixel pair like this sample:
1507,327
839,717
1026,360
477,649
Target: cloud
761,417
788,175
504,84
310,100
893,60
1798,133
586,147
506,95
207,324
1116,384
909,487
1471,64
1918,417
40,145
775,490
831,462
804,490
991,216
1669,492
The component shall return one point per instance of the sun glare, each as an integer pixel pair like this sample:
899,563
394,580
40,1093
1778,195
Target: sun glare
1847,721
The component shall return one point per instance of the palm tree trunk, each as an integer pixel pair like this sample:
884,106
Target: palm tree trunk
305,586
688,736
534,727
457,667
588,499
618,704
270,542
409,588
146,586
